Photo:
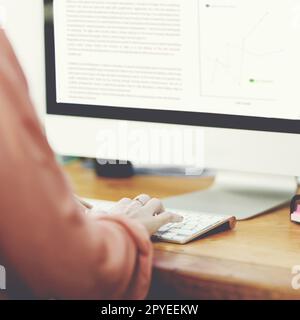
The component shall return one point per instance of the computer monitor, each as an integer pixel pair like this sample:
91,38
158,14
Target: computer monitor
230,67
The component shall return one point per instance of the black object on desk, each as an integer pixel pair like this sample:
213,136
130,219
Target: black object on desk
113,168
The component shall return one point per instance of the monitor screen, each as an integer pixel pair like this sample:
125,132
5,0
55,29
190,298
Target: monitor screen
229,63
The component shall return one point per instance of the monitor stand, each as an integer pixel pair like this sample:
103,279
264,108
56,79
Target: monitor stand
239,194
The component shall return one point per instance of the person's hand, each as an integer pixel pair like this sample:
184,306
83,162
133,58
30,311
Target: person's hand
148,211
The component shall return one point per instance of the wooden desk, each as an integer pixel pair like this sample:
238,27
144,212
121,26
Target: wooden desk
252,262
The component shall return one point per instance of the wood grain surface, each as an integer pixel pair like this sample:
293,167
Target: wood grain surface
254,261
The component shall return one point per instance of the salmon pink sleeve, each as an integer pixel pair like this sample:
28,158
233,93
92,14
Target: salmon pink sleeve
46,239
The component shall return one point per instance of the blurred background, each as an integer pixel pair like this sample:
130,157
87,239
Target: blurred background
23,22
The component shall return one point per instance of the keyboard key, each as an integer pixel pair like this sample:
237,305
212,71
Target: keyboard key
169,234
186,232
165,228
179,238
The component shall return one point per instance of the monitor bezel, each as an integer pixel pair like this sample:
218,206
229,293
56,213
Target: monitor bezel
148,115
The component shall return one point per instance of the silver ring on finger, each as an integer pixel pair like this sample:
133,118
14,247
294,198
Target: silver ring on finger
142,199
139,201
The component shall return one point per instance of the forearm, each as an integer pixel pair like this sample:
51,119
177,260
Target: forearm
107,259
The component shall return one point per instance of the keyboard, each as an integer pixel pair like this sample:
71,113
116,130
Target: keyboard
194,224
